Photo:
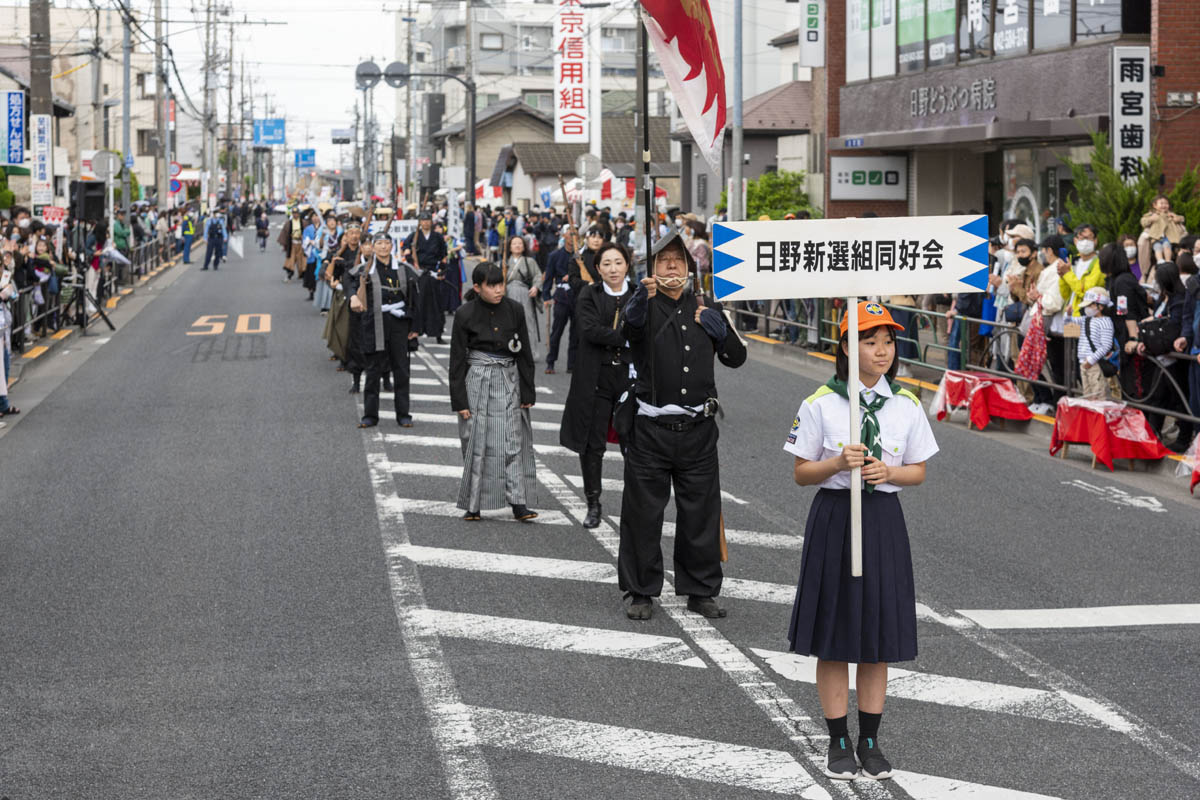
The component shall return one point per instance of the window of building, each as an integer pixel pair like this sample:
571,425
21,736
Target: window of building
1011,30
543,101
910,33
491,41
145,85
483,100
883,38
1097,19
858,40
1051,24
974,29
702,190
535,39
618,40
940,24
796,71
147,142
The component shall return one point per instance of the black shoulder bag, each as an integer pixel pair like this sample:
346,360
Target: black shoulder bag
1107,368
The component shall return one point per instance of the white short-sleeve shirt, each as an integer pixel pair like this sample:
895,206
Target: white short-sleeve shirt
821,430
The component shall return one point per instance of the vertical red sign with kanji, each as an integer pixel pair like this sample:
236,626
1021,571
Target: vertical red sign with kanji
571,120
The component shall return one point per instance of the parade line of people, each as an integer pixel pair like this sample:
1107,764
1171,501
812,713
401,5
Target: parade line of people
642,356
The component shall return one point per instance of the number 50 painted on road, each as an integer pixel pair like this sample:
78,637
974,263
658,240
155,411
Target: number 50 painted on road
213,324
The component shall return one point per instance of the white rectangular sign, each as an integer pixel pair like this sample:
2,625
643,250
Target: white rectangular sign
571,113
786,259
812,33
868,178
1131,100
454,223
41,173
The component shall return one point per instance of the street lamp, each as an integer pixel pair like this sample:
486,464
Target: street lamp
401,73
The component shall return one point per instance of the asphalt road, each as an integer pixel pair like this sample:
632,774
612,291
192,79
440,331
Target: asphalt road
214,585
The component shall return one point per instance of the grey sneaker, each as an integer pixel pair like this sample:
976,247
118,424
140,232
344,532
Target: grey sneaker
874,765
841,765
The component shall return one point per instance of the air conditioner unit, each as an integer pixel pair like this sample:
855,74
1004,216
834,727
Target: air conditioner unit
456,57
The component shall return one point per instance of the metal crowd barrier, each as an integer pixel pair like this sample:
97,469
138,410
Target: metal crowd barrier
826,323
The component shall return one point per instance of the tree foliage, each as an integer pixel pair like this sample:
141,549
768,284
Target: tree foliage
1116,207
775,194
7,198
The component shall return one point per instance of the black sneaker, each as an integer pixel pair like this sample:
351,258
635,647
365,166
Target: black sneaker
641,608
705,606
874,765
522,513
841,764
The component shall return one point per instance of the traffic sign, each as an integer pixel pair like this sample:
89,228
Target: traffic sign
306,158
786,259
174,169
270,131
105,164
129,160
174,186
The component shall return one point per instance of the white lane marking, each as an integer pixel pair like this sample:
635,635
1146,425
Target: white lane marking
455,443
424,382
525,566
467,774
684,757
450,418
444,399
1094,617
617,485
441,508
948,691
1118,496
563,638
774,541
544,390
931,787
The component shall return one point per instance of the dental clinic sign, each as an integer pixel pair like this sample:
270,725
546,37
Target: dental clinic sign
1130,115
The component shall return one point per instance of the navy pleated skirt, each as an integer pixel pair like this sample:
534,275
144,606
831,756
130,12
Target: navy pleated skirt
868,619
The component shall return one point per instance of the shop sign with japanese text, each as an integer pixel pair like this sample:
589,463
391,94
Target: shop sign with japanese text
1130,115
571,120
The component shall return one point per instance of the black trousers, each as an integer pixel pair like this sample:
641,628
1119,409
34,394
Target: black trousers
393,358
592,455
212,252
564,312
656,459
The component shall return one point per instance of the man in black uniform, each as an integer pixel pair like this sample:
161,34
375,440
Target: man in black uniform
426,250
390,309
557,290
675,336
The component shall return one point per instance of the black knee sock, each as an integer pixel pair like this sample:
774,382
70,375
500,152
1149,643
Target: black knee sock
868,725
837,728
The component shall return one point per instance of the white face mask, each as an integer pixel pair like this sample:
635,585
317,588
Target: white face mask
1091,311
1004,240
1130,251
24,223
1085,246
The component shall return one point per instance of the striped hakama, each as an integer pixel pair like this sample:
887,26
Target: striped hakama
497,440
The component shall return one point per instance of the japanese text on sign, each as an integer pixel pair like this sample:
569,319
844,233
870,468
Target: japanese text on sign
40,178
571,113
14,118
848,255
1130,110
979,95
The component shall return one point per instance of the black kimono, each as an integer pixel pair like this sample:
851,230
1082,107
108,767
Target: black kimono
674,441
601,375
428,255
383,330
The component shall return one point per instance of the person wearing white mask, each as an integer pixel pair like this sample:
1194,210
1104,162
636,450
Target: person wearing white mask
1052,251
1084,273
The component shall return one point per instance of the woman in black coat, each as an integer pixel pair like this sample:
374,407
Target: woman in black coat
601,370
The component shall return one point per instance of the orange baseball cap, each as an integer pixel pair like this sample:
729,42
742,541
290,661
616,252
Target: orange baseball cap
871,315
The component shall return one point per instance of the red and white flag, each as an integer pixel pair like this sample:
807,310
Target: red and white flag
685,42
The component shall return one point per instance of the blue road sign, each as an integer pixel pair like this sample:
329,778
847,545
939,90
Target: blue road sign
306,159
269,131
13,151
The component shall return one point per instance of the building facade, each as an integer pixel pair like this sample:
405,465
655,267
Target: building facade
973,105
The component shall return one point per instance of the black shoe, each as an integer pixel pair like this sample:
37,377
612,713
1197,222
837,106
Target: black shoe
549,369
472,516
841,764
356,386
405,422
522,513
439,340
705,606
204,269
592,520
874,765
367,422
641,608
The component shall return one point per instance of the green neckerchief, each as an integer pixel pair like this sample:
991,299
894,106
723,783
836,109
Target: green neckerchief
870,423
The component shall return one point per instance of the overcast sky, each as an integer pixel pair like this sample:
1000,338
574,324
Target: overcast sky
306,66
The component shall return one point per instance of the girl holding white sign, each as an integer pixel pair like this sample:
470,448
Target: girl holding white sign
869,620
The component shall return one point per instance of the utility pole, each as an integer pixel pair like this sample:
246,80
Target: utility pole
160,111
229,154
241,170
127,150
41,99
735,210
595,101
358,180
97,103
410,180
469,125
205,157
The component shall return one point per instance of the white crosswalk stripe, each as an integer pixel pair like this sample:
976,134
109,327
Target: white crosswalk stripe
413,440
1097,617
444,399
450,418
563,638
442,508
